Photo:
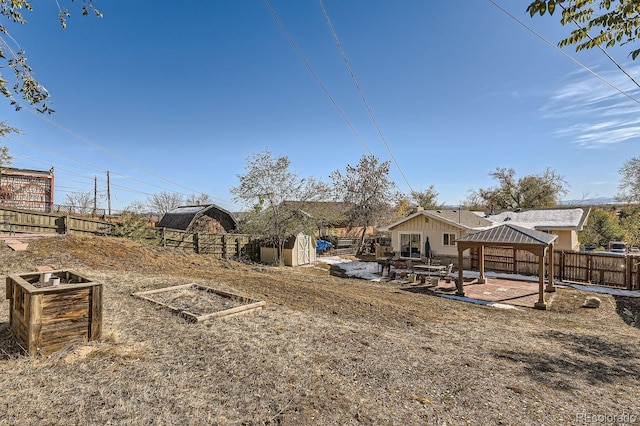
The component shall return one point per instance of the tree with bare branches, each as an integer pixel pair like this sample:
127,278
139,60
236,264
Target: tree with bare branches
164,201
200,199
80,202
266,188
368,189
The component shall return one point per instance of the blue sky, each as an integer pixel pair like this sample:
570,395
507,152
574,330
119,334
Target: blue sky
175,96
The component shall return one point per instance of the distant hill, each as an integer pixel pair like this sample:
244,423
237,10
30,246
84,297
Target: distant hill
590,201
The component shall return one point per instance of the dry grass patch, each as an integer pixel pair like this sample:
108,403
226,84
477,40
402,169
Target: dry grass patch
198,303
325,350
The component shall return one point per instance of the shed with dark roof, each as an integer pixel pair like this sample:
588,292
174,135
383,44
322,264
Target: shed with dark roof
209,218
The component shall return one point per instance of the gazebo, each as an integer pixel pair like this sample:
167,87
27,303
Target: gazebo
536,242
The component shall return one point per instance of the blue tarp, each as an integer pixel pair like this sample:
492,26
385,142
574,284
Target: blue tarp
322,245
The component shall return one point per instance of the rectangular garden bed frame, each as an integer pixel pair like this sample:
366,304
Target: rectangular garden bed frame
250,306
45,319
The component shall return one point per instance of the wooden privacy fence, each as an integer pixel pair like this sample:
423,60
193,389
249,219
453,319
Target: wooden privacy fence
590,268
222,246
13,220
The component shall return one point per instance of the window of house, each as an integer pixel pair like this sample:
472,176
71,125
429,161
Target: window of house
448,239
410,245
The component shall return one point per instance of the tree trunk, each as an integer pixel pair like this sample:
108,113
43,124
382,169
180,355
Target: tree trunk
361,245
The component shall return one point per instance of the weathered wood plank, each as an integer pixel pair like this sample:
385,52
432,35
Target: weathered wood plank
65,330
62,316
228,312
162,290
95,313
35,325
59,300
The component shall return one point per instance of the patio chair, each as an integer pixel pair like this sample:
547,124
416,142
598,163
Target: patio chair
446,272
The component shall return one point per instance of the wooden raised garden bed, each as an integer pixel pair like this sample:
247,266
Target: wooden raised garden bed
45,318
199,303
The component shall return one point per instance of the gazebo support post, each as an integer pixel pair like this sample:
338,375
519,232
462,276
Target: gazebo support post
481,278
540,304
460,280
550,281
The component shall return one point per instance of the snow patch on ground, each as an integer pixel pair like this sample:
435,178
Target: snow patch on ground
370,271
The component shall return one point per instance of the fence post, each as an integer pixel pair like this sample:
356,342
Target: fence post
628,272
196,242
225,253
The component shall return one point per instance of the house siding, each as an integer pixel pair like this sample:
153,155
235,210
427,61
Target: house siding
426,227
434,224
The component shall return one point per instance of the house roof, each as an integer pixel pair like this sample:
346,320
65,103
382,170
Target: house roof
460,218
564,218
183,217
509,234
540,219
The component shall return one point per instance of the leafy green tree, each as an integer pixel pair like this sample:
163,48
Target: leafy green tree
630,181
629,219
611,22
368,189
428,198
601,227
5,157
22,82
533,191
135,226
267,188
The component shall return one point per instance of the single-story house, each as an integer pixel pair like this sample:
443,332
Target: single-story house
208,218
429,233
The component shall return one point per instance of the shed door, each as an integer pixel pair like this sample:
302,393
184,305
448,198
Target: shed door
303,243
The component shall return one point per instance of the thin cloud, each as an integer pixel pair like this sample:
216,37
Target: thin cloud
591,114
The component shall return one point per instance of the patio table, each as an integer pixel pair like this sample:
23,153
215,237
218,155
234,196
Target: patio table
428,269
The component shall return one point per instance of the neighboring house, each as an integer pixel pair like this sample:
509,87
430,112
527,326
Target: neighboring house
208,218
26,189
330,218
437,230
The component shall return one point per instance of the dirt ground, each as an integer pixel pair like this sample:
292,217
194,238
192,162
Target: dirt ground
325,351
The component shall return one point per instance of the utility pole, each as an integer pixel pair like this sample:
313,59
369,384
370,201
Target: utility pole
108,192
95,195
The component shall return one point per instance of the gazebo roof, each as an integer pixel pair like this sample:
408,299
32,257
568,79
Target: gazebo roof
509,235
519,238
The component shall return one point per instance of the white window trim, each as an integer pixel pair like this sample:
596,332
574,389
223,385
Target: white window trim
455,237
400,243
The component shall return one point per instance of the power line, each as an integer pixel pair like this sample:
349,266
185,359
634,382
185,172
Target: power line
122,159
364,100
602,49
93,167
315,75
595,74
106,151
